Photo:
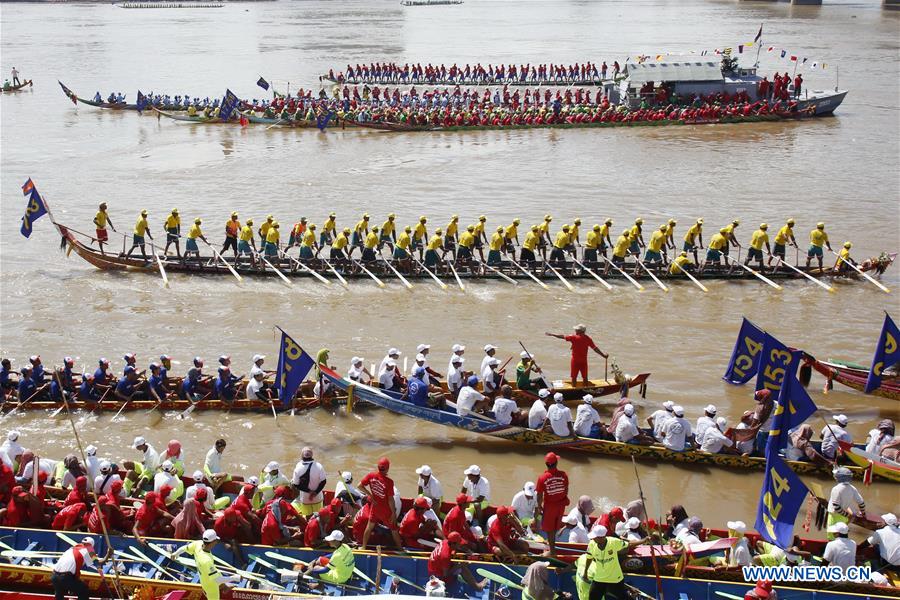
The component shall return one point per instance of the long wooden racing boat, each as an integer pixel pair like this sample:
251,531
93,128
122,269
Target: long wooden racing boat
881,467
485,425
853,376
198,118
276,121
506,270
467,82
16,88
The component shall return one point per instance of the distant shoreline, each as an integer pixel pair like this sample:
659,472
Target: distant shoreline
123,1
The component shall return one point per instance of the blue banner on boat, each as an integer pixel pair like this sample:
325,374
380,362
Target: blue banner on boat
293,366
887,353
263,84
142,102
229,103
793,407
780,500
35,210
322,120
774,360
745,357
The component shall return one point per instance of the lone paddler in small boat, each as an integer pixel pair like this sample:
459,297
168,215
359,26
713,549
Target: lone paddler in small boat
580,342
783,238
100,221
173,232
817,239
759,239
141,228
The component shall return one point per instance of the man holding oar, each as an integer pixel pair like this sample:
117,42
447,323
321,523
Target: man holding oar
784,237
580,342
66,575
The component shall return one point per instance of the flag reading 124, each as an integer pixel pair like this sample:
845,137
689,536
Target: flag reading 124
745,357
35,210
886,353
780,499
293,366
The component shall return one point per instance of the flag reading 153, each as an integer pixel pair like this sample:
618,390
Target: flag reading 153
773,361
293,366
887,353
745,357
35,210
780,500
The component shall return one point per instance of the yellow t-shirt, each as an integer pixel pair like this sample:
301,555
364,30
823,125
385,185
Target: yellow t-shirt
173,222
604,232
246,233
593,240
435,242
496,241
140,228
573,234
371,240
467,239
420,232
817,237
692,233
362,226
562,240
329,225
844,254
784,234
511,232
264,230
718,242
656,241
670,232
606,561
309,238
682,261
635,231
403,241
340,242
100,219
194,232
531,241
544,228
452,229
729,229
758,239
479,228
272,235
621,247
387,228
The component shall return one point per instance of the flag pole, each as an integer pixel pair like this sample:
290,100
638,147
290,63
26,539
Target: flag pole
758,47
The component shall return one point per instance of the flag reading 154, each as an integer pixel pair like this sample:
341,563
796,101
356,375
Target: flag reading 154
887,353
780,500
745,356
293,366
35,210
793,407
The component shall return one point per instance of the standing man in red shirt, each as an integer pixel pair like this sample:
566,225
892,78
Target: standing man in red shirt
552,498
380,489
580,342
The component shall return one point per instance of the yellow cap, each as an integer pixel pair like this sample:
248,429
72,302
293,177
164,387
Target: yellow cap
626,233
276,225
534,227
683,253
174,211
422,219
735,222
790,221
470,228
596,228
144,213
638,221
407,229
500,229
392,216
249,222
608,221
269,217
375,229
234,214
662,227
548,218
332,216
847,245
516,221
565,227
578,221
312,226
454,218
673,222
482,218
700,221
346,231
820,225
365,215
763,225
197,220
438,231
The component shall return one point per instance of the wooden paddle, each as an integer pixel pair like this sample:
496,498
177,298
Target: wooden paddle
759,276
427,270
277,271
639,286
396,272
652,276
336,274
530,274
224,262
497,271
594,275
561,278
26,401
456,276
368,272
162,270
691,277
531,358
304,267
861,272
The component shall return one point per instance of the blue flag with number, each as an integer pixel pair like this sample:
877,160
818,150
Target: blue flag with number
774,360
793,407
263,84
35,210
745,357
293,366
322,120
780,500
229,103
887,353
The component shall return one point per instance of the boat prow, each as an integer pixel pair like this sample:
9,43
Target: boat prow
820,102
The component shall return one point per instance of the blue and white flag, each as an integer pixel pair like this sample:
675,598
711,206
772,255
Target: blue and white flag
263,84
793,407
229,103
774,360
293,366
35,210
780,500
745,357
887,353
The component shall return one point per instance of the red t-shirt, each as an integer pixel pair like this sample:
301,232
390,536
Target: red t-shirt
69,517
456,521
382,488
242,505
580,344
409,526
360,521
441,560
498,531
312,534
554,485
227,527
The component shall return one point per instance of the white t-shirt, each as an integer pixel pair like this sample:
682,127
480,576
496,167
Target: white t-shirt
485,361
45,465
675,433
454,378
576,535
254,388
583,519
874,444
560,416
687,538
626,428
523,505
745,447
150,463
468,397
162,478
659,420
585,418
213,461
829,442
386,378
354,373
413,368
703,423
844,495
101,488
12,449
503,410
383,364
66,562
450,365
92,467
740,554
488,379
714,440
481,488
840,552
316,477
888,540
433,489
537,414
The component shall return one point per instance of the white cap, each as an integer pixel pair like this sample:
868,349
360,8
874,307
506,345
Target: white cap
422,347
633,523
529,488
489,347
710,408
889,519
256,371
525,354
356,360
394,351
678,410
167,466
420,357
543,393
198,476
12,435
423,470
738,526
839,527
721,422
668,405
253,480
494,362
105,466
88,541
347,476
840,419
473,470
138,441
257,357
587,399
628,409
91,450
457,360
335,536
557,397
597,531
272,466
458,348
570,520
391,362
210,535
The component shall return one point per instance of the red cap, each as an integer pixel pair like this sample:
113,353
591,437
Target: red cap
336,502
200,495
455,538
421,502
463,499
551,458
502,511
384,464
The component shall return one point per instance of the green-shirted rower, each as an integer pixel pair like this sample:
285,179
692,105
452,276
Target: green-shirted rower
211,579
336,568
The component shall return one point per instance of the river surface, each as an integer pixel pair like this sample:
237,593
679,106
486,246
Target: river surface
842,170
